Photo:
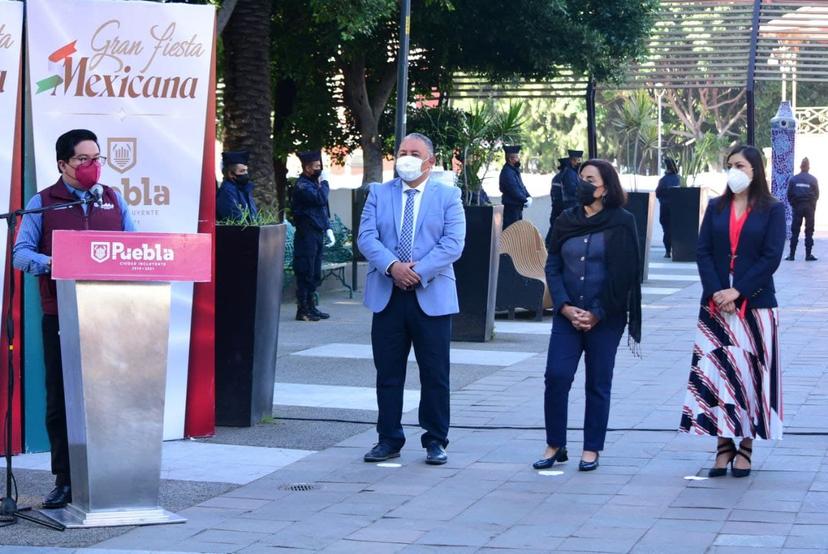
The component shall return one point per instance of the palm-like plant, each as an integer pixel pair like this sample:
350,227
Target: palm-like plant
483,131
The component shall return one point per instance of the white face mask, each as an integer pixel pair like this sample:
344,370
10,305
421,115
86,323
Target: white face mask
737,180
409,168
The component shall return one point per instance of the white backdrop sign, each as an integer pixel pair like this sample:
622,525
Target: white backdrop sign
11,38
138,75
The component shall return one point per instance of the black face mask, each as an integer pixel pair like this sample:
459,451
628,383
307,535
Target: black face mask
317,173
242,180
585,192
516,165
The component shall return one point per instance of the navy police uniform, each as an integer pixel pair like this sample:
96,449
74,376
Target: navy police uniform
235,196
512,189
803,193
670,180
309,205
569,180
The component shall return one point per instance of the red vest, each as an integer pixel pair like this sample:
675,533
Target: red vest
106,218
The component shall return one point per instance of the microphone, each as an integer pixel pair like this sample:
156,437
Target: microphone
97,192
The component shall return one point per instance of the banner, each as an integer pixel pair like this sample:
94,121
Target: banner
138,74
11,39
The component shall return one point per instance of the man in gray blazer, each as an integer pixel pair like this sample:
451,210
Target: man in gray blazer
411,232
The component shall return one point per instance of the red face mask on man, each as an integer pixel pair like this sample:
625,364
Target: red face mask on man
87,174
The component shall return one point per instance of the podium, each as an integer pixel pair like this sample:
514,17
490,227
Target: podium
114,307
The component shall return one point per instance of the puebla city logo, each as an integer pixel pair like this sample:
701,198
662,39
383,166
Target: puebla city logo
116,67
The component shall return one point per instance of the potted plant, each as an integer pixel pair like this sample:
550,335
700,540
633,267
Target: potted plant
474,138
250,256
689,201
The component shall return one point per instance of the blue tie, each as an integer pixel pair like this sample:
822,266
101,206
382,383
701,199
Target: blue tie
407,231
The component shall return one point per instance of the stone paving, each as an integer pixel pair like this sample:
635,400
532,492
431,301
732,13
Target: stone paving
645,497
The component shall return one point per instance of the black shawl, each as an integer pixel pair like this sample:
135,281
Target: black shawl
622,291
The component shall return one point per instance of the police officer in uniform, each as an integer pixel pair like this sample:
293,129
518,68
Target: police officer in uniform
235,195
670,180
556,195
569,178
803,193
309,204
514,197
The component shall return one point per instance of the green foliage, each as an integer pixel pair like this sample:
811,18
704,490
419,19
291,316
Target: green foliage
636,123
705,152
552,126
265,216
443,126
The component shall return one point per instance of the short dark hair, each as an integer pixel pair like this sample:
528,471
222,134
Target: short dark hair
66,143
616,197
759,194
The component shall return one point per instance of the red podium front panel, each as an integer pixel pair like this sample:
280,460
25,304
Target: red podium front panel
113,256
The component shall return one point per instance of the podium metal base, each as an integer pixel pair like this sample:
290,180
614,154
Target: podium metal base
73,517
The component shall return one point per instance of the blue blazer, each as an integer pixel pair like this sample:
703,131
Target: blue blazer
758,254
439,236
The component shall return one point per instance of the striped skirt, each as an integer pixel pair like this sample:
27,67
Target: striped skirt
735,386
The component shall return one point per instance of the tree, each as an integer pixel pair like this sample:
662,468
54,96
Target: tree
248,91
468,35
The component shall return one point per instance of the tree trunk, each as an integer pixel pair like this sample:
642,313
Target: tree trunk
371,155
247,93
284,105
366,107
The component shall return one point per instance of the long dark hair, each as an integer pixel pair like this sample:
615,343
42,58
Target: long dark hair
616,197
759,194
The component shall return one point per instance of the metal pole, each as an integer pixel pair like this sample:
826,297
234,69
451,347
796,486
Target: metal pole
592,137
402,72
751,104
660,154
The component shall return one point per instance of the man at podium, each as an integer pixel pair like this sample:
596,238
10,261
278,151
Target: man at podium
79,162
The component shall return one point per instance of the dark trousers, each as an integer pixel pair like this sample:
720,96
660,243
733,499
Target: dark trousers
806,212
664,219
307,260
55,403
565,348
393,331
511,214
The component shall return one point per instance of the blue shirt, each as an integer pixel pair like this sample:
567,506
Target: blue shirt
580,272
25,255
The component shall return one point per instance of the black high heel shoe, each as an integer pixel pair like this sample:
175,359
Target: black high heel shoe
545,463
589,466
744,452
724,448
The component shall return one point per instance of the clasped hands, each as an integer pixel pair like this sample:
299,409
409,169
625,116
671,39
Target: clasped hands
582,320
725,300
404,275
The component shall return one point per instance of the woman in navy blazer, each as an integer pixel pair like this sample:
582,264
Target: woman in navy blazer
735,387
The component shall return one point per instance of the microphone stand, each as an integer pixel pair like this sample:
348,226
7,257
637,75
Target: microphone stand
9,511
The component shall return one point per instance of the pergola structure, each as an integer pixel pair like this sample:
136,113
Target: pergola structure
705,44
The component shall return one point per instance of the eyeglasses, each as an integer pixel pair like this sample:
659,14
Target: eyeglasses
86,160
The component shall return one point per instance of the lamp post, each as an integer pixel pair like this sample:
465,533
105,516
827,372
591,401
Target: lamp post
402,72
659,91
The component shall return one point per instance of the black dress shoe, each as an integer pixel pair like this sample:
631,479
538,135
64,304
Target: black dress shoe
382,451
58,498
589,466
436,454
545,463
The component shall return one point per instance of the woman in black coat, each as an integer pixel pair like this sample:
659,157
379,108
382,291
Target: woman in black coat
735,385
594,278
